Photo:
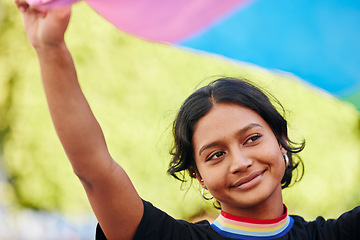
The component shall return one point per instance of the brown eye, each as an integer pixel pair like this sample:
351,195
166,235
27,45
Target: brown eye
253,138
216,155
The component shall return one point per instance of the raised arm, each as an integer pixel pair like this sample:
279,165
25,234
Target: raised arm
111,194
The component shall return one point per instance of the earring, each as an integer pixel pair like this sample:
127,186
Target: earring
202,194
286,158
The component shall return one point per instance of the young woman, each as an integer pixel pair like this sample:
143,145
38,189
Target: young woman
228,136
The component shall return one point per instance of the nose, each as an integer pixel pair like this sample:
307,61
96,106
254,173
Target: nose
239,161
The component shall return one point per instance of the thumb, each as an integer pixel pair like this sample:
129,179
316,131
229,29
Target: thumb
61,14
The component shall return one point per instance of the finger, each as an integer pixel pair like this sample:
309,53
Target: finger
22,5
59,13
41,14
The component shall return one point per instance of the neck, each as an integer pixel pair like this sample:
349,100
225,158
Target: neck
235,227
270,208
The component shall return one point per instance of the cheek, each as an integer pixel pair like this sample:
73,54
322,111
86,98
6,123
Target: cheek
278,166
273,151
213,177
216,186
275,160
278,161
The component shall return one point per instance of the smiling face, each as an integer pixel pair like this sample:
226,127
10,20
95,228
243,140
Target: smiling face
239,159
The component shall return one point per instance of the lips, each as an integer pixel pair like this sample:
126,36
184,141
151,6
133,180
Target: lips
249,181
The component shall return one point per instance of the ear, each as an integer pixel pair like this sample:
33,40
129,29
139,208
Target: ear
198,177
283,150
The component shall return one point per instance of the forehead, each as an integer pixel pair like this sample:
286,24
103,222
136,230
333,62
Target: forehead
223,120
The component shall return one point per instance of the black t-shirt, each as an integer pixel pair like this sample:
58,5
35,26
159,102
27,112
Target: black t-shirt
157,225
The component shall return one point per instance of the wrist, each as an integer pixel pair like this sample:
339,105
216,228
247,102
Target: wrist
50,48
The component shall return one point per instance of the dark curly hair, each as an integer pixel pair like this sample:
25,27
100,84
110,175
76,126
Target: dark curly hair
242,93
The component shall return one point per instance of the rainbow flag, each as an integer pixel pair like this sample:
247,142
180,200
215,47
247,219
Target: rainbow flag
319,41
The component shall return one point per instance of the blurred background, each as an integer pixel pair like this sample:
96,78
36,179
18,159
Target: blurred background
135,88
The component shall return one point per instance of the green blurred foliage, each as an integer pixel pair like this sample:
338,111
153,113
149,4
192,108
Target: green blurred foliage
354,98
135,88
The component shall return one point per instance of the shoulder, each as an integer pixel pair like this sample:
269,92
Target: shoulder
156,224
347,226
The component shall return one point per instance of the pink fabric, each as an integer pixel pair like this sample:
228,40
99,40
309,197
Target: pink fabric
163,20
158,20
47,4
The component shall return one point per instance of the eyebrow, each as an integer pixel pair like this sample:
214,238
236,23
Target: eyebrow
238,133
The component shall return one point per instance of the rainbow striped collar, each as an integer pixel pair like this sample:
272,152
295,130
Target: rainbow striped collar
252,229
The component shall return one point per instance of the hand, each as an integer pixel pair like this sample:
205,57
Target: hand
44,28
